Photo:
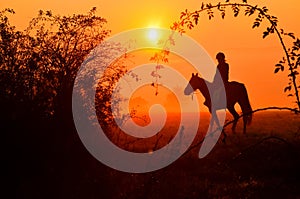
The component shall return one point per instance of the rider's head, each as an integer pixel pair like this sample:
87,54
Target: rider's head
220,57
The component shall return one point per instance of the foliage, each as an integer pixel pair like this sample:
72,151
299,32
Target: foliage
159,57
104,102
38,65
189,20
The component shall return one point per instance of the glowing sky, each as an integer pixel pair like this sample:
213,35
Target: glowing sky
250,57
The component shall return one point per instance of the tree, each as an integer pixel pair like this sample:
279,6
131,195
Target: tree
38,65
64,46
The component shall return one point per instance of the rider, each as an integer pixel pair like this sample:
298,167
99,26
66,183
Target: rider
223,68
223,74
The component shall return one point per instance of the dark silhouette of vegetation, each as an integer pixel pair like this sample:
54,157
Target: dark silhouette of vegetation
159,57
39,65
188,20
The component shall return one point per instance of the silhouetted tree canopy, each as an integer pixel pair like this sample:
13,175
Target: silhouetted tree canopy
38,65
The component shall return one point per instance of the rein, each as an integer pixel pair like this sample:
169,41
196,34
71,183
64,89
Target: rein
193,93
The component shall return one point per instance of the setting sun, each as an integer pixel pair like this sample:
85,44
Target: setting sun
153,34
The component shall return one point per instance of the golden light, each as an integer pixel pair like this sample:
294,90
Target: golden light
153,34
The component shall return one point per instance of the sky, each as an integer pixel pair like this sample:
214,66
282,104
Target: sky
251,58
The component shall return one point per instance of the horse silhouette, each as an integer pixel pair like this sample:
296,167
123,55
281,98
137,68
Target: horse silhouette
235,93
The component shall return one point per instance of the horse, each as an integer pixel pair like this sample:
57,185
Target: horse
235,93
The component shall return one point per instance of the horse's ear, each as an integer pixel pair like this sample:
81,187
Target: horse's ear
196,74
193,75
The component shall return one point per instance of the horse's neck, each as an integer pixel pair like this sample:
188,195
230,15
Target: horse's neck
202,86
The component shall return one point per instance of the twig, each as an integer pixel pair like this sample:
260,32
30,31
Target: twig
296,111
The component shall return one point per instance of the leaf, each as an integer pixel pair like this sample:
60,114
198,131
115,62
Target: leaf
280,66
152,59
292,35
196,17
264,9
276,70
49,13
274,20
40,12
293,74
297,44
153,74
250,11
236,13
265,34
166,51
183,14
223,14
255,24
209,5
159,66
210,14
190,25
288,88
236,10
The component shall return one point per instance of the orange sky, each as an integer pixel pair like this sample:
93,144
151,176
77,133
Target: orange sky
251,58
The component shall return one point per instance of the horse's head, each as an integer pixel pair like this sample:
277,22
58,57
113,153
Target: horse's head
192,85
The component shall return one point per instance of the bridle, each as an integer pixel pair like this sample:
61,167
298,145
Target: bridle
194,93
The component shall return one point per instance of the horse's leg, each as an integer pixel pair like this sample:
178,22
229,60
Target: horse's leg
213,119
211,123
216,120
219,127
235,116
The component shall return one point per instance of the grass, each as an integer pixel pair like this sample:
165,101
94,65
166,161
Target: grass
263,163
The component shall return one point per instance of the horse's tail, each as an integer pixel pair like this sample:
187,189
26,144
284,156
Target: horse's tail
245,104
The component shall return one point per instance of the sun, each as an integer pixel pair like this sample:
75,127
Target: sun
153,34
